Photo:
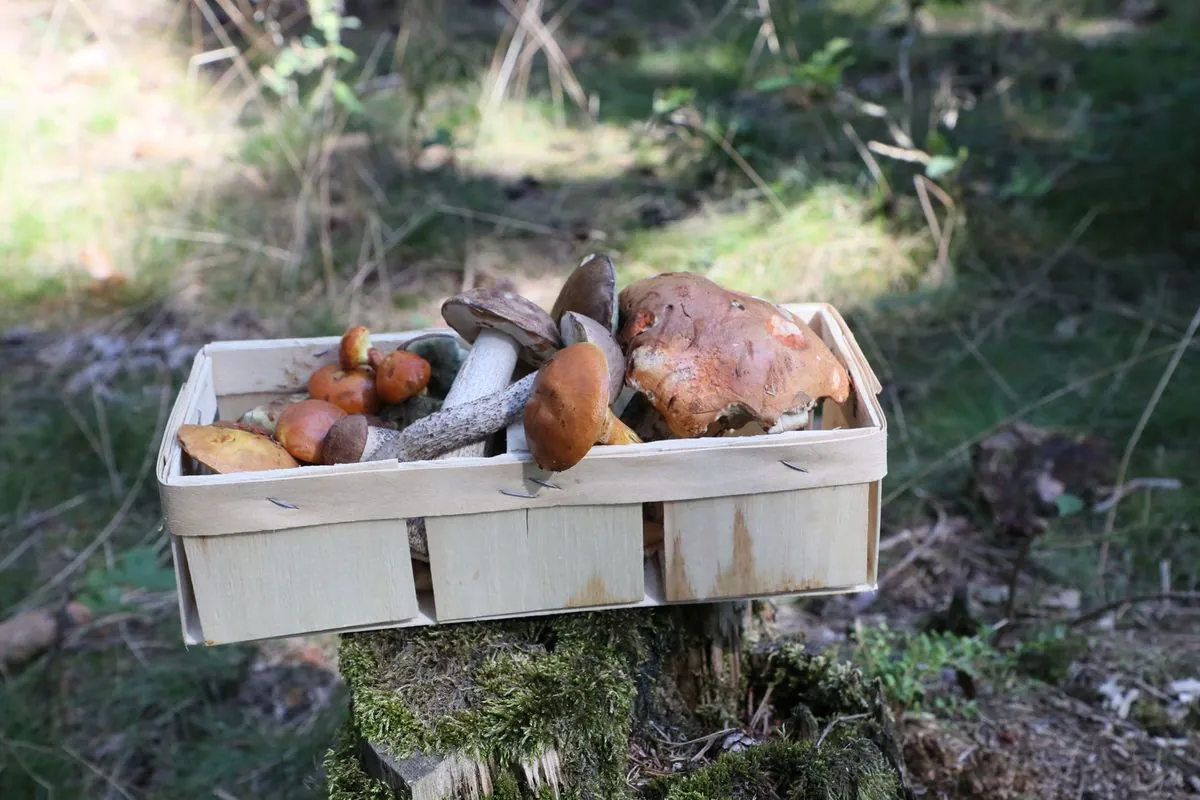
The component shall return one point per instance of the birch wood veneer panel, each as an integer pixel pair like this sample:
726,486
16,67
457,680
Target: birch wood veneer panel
515,562
620,474
765,544
257,585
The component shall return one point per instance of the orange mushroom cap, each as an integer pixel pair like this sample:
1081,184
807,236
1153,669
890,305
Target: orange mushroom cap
351,390
568,411
355,347
401,375
303,426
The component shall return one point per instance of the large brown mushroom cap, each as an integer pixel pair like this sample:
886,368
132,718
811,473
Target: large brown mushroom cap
710,359
590,290
568,410
522,319
224,450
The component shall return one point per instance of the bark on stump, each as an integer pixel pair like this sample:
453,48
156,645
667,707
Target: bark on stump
573,705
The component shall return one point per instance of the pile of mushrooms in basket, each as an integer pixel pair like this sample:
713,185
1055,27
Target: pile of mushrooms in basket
674,355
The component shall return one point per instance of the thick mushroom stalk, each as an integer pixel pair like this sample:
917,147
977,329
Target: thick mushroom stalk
568,411
353,439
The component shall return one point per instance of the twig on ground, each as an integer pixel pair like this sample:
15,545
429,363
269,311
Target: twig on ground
868,159
35,521
110,780
935,535
1030,286
889,377
117,518
829,728
1131,486
988,367
1156,597
1045,400
745,167
1180,348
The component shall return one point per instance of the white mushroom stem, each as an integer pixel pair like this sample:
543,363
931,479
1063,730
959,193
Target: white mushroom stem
515,437
449,429
487,369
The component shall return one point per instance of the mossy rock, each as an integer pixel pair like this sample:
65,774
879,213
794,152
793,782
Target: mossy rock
549,705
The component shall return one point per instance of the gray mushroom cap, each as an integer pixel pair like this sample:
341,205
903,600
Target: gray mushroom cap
590,290
575,327
525,321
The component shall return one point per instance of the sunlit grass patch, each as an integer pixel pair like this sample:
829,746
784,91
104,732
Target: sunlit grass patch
102,139
825,248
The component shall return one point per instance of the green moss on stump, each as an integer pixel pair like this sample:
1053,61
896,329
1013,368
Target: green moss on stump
851,769
506,693
345,778
577,688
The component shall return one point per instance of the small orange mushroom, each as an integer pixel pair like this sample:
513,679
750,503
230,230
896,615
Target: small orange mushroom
351,390
401,375
355,347
303,426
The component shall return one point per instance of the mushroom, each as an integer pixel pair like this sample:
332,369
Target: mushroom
266,416
575,327
352,390
502,328
591,290
355,347
303,426
353,438
400,375
710,359
224,450
445,354
568,411
249,427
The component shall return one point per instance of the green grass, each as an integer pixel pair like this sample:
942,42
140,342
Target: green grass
230,224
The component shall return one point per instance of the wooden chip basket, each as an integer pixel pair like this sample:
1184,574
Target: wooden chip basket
325,548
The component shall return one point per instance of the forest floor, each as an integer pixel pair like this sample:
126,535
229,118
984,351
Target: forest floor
1001,197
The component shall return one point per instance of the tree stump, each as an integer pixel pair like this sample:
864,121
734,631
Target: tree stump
677,703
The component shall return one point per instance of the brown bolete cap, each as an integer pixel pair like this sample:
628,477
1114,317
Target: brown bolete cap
346,439
575,328
568,410
590,290
225,450
525,321
710,359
